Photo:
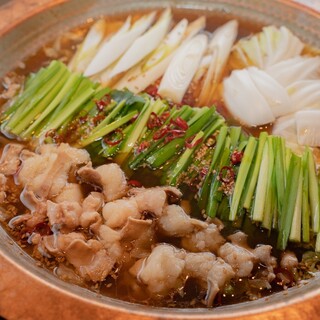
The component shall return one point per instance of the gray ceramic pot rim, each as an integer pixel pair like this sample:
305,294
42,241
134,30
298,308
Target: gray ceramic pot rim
14,47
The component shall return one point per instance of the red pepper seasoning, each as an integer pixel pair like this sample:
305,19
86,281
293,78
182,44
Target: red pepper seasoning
236,157
203,172
111,142
57,138
83,119
160,133
103,102
180,123
226,174
143,145
98,118
174,134
190,145
165,115
154,121
152,90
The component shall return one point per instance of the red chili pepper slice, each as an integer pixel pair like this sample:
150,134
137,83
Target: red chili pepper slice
160,133
236,157
103,102
174,134
226,174
204,171
135,183
53,134
98,118
180,123
83,119
115,142
190,145
143,145
165,115
154,121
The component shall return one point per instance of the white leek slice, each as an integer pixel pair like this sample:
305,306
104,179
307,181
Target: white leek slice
112,49
308,127
153,67
203,67
287,46
222,40
305,94
268,47
88,48
195,27
144,45
182,68
171,41
244,100
220,45
275,94
298,68
101,60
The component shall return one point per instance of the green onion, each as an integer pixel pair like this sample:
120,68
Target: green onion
73,81
280,176
183,160
183,113
135,133
215,192
313,192
204,190
159,157
38,102
106,130
270,192
255,171
289,203
305,198
34,84
295,232
242,176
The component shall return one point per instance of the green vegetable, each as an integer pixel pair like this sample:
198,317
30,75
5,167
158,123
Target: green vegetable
289,204
279,188
242,176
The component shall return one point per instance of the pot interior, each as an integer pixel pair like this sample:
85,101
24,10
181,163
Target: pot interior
27,37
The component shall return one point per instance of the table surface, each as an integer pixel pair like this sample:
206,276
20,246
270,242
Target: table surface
31,299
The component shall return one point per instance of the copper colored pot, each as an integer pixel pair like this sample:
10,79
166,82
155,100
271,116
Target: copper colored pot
29,292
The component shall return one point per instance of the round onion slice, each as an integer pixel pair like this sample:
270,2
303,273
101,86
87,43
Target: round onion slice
308,127
295,69
275,94
245,101
268,47
305,94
